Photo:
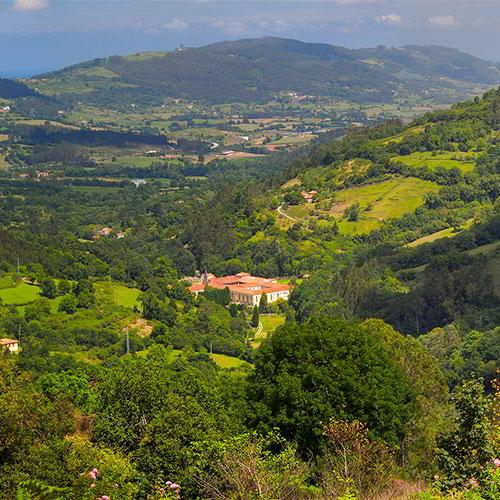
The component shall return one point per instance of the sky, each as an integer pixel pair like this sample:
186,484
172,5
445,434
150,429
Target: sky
42,35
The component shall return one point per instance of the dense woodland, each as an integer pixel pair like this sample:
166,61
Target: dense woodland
379,383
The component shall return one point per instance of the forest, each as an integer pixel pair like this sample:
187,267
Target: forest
377,379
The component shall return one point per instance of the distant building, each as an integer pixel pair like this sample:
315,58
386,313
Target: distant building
10,345
244,288
42,174
309,196
105,231
138,182
4,109
120,235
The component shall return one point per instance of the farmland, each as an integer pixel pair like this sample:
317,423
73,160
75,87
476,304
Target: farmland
463,161
377,202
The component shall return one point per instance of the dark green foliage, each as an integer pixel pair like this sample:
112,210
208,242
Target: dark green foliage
255,317
246,70
68,304
306,374
468,449
49,288
221,296
263,303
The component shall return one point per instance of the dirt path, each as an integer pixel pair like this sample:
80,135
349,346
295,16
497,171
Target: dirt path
280,211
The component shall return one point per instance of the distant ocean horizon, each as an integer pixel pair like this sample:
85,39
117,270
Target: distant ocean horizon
23,73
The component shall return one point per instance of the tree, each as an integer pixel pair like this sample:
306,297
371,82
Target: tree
64,287
255,317
293,198
352,213
306,374
263,303
49,288
466,451
68,304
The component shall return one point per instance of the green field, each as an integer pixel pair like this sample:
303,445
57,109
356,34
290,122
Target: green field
269,323
118,294
20,294
444,233
228,361
463,161
380,201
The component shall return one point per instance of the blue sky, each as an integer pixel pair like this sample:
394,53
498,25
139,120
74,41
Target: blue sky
40,35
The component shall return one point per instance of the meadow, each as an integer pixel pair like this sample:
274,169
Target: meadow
464,161
118,294
377,202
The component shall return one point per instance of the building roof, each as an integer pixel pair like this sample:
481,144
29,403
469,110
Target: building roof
8,341
243,283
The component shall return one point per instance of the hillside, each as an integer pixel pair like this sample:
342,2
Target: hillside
247,71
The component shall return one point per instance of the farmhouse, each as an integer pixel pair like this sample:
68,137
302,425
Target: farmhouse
10,345
244,288
309,195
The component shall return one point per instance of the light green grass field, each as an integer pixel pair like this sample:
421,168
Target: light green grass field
269,323
398,137
3,162
118,294
20,294
228,361
384,200
444,233
463,161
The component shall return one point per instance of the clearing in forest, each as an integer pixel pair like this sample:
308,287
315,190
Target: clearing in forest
464,161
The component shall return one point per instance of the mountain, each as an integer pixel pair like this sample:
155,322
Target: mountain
259,69
10,89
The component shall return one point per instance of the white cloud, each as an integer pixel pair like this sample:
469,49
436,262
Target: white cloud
444,21
389,19
176,24
30,4
231,27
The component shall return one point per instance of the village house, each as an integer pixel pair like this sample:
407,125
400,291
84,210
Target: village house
309,195
244,288
10,345
105,231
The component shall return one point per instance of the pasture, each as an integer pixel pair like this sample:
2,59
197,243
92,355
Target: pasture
20,294
380,201
463,161
117,294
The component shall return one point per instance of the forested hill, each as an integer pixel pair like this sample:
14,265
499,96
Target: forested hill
10,89
259,69
404,223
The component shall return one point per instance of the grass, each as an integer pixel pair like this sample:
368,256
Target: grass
3,162
380,201
118,294
228,361
463,161
81,356
221,360
485,249
20,294
444,233
269,323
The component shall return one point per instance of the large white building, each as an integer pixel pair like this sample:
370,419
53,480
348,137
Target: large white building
244,288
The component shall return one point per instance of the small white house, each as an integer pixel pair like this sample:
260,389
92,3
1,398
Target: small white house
11,345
